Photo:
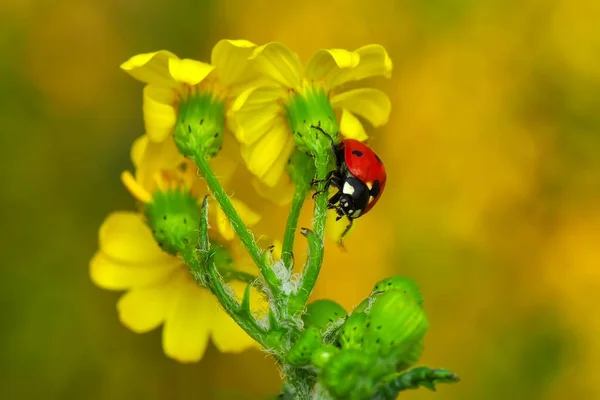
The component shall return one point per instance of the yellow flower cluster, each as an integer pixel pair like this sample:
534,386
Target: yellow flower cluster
254,84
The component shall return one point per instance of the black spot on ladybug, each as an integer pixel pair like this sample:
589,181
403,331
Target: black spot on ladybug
357,153
375,190
378,159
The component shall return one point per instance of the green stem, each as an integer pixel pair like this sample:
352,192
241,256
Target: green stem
320,213
273,283
287,254
315,238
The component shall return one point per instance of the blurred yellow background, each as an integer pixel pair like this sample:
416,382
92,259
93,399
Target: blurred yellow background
493,161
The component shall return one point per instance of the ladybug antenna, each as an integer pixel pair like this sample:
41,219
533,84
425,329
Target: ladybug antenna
318,127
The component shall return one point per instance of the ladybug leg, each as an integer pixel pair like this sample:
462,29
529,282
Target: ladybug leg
333,200
348,227
327,178
331,180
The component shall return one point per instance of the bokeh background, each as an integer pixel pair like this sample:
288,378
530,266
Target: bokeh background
492,203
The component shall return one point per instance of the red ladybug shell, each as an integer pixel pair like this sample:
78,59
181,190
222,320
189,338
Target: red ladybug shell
364,164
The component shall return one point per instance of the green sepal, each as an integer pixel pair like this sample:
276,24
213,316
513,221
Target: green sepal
307,110
174,216
395,324
323,354
323,312
415,378
301,352
200,125
352,332
401,283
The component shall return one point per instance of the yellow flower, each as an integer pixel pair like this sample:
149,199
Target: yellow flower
258,115
169,80
160,290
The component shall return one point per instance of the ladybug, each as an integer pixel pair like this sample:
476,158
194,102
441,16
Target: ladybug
359,177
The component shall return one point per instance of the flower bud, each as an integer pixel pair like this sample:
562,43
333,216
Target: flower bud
200,125
312,120
174,217
322,313
394,325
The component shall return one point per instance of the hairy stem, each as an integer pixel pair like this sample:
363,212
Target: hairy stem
292,223
246,237
315,238
320,211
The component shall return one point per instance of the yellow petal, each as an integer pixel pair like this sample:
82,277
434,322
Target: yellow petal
280,64
254,112
157,157
138,148
262,156
188,323
274,175
188,71
351,127
112,274
280,194
230,57
371,104
135,188
326,64
374,61
125,237
227,336
144,309
249,217
160,114
151,68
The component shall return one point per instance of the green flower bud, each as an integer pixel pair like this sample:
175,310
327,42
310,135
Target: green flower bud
312,120
200,125
410,357
321,313
401,283
348,375
174,217
301,168
323,354
352,332
301,352
362,307
394,325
